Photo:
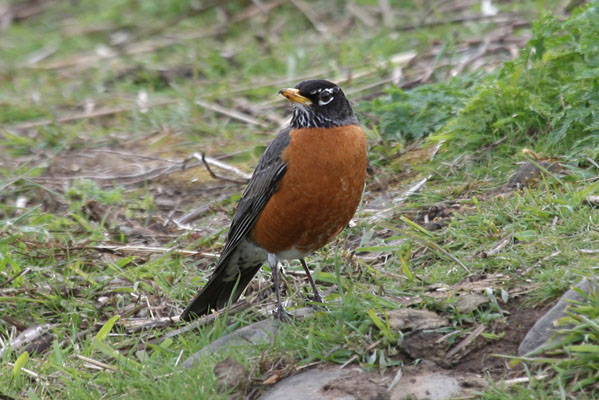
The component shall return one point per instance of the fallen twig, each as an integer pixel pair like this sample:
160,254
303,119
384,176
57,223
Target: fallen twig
150,249
498,19
497,247
103,112
12,278
359,12
40,55
96,362
29,372
412,190
230,113
207,161
588,251
20,10
135,325
153,44
198,212
28,336
311,17
386,13
396,379
355,356
524,379
387,212
462,345
257,8
154,173
234,309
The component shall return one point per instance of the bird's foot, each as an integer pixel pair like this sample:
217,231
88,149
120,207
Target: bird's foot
318,303
281,314
318,299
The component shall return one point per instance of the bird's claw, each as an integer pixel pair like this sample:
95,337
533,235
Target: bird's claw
281,314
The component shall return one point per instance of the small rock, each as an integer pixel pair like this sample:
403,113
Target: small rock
351,388
424,345
424,381
435,225
34,339
331,383
544,329
230,374
529,173
259,332
416,320
426,385
470,301
592,199
305,385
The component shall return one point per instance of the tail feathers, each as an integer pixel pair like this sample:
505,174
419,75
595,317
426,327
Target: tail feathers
217,293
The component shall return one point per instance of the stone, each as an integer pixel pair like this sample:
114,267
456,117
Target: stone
424,345
544,329
416,320
470,301
257,333
305,385
424,381
426,385
529,173
359,385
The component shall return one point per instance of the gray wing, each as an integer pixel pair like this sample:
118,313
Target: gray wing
220,288
264,182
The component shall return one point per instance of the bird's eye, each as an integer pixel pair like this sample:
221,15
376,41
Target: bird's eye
325,98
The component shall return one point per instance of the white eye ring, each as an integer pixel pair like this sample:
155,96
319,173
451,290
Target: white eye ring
324,103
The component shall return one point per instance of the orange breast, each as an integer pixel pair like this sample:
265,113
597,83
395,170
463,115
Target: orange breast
318,194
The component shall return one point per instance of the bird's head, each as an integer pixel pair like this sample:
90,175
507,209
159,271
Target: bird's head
319,104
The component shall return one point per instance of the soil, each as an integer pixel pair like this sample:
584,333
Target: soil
485,358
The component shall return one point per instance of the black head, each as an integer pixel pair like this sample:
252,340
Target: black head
319,104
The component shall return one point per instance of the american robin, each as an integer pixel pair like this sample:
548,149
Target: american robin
304,191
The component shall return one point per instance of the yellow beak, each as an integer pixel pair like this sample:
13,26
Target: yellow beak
294,95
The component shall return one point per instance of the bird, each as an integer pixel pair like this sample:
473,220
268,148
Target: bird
304,191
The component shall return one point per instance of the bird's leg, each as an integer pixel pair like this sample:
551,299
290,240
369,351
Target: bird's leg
317,297
281,314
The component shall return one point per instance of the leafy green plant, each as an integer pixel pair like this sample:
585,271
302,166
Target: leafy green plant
549,96
415,114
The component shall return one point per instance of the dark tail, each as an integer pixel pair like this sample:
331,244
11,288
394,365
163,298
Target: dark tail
217,293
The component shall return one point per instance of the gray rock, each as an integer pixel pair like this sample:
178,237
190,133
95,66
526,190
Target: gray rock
422,382
257,333
529,173
426,385
416,320
305,385
330,383
425,345
544,329
470,301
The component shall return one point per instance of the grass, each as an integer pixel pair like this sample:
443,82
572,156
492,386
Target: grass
64,189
